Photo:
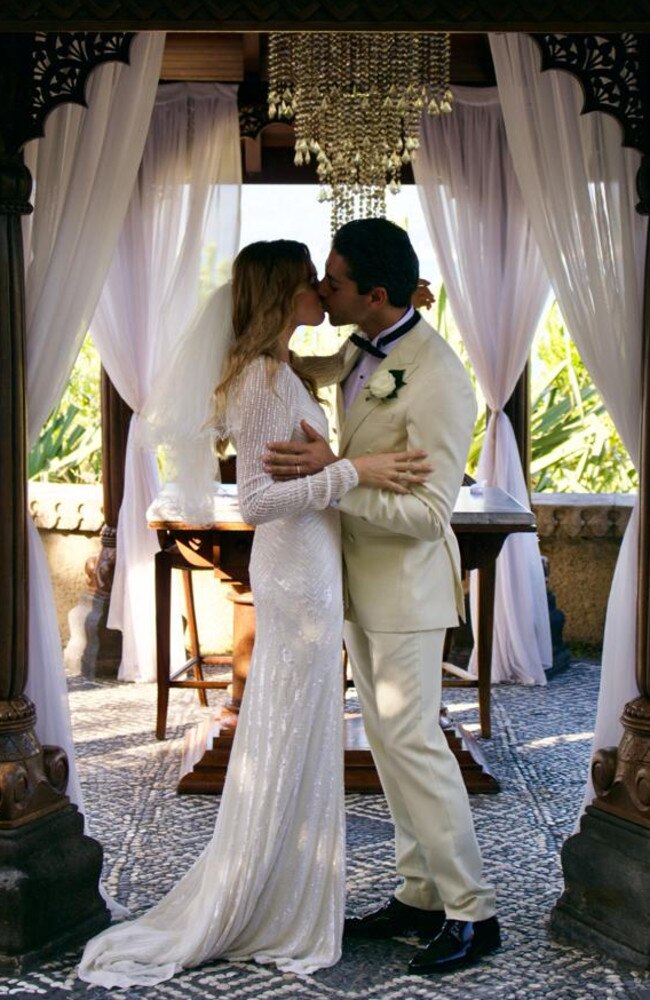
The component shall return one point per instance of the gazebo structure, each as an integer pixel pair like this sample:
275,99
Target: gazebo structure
42,845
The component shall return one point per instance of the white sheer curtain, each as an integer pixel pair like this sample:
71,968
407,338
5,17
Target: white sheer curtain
84,169
497,288
181,232
578,184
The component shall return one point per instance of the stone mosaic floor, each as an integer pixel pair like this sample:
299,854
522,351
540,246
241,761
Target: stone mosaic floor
150,836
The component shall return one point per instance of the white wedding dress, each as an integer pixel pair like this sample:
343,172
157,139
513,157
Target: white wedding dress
270,884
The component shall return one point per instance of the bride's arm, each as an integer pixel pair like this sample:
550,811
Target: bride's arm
267,406
324,369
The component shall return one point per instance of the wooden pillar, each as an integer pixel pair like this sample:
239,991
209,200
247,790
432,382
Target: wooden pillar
518,410
94,649
49,871
605,902
116,418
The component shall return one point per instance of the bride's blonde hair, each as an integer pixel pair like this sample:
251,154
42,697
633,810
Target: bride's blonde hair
267,278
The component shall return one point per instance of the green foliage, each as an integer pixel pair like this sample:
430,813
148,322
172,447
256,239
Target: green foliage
574,443
68,449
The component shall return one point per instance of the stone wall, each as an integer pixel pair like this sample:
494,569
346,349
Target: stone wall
579,533
69,519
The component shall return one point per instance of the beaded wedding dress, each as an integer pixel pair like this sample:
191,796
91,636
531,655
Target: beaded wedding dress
269,886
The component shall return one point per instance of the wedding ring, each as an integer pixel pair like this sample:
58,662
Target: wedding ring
297,470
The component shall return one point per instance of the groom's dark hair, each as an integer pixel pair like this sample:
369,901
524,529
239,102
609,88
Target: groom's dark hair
379,254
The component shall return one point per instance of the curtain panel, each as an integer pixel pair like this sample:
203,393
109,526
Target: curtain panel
178,240
498,288
84,169
578,183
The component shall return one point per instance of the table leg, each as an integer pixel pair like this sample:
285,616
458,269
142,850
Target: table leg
486,582
163,618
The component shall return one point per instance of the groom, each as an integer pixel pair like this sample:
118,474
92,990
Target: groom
402,387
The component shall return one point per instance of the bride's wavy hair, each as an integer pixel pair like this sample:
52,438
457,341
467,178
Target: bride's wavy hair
267,278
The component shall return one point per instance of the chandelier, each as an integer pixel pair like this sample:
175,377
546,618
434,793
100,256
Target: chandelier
355,101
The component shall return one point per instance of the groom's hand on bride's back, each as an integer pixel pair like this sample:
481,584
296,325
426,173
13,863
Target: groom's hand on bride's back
292,459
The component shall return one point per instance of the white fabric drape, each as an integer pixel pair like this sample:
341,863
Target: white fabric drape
497,289
84,169
578,184
181,229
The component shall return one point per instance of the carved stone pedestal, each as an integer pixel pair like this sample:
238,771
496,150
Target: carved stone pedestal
93,649
49,870
48,891
606,901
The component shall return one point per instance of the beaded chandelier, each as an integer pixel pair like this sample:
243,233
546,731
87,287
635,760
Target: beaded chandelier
355,101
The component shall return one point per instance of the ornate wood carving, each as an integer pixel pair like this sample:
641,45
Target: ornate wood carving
31,782
253,117
614,72
621,776
62,64
99,570
561,15
48,70
608,68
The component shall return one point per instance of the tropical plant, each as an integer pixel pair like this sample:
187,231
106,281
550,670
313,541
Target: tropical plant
574,444
68,448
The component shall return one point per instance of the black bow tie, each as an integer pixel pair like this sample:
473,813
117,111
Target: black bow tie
388,338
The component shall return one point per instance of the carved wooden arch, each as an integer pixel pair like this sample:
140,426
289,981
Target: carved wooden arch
318,15
614,72
53,69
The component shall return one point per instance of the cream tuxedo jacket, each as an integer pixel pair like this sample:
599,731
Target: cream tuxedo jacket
402,563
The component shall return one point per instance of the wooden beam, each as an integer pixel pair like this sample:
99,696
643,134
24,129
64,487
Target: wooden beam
312,15
202,56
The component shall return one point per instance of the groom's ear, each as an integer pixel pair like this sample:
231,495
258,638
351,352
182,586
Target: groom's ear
378,296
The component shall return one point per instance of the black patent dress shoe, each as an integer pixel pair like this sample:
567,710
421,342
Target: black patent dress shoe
393,918
459,943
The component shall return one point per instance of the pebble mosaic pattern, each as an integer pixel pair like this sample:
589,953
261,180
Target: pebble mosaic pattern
150,835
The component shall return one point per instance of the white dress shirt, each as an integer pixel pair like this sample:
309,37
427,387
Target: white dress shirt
367,363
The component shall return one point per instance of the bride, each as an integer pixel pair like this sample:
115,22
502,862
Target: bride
270,884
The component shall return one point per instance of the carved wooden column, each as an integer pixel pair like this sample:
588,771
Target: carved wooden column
605,902
94,649
49,870
517,409
43,852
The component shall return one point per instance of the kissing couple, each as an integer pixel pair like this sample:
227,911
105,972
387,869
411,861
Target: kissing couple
355,546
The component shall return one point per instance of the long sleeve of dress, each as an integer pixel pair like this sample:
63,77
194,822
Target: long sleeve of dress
325,370
267,410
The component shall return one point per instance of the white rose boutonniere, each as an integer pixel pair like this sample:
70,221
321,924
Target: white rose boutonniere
385,385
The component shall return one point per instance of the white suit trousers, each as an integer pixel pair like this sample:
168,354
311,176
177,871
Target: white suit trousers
398,677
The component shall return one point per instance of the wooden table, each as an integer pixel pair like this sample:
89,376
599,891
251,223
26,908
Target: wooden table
481,521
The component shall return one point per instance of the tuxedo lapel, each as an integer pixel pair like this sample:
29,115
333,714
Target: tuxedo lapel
404,357
351,357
